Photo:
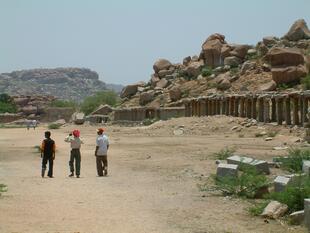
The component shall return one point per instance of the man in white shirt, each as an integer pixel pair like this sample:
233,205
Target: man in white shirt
75,155
101,153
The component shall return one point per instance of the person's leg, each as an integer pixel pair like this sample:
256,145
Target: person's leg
99,165
71,161
44,162
78,163
105,164
50,167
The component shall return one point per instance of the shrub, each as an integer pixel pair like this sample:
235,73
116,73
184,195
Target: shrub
245,185
54,126
104,97
258,208
306,82
148,121
234,70
224,153
3,188
206,71
63,104
6,104
272,133
293,196
293,161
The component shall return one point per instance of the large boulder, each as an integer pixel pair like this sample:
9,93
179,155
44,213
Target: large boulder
240,51
212,48
154,79
284,56
29,109
161,64
129,90
298,31
270,86
194,68
163,83
288,74
175,94
146,97
78,118
274,210
270,41
21,101
232,61
223,82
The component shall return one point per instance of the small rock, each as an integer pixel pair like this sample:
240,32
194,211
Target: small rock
268,139
274,210
178,132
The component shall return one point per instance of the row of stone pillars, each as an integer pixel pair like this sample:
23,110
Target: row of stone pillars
289,108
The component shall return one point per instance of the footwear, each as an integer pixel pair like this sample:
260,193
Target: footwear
51,176
77,176
43,173
71,175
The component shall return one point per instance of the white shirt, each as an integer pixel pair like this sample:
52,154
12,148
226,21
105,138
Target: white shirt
75,142
102,142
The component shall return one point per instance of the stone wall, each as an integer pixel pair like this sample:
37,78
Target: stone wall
289,108
8,117
53,114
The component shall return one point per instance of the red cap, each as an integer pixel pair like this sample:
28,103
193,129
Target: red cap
100,130
76,133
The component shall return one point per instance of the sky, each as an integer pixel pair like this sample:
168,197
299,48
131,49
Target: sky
121,39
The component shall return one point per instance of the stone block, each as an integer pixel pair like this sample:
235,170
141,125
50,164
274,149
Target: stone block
307,213
306,167
259,165
297,218
224,170
280,183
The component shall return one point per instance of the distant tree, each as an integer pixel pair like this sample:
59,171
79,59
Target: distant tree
63,104
104,97
6,104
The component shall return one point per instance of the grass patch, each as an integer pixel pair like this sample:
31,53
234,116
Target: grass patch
63,104
293,161
272,133
206,71
258,208
224,153
234,70
305,82
247,184
54,126
6,126
3,188
148,121
293,196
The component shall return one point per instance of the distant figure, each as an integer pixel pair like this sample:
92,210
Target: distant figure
34,124
28,122
75,154
48,148
101,153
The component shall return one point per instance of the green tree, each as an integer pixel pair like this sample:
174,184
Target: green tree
6,104
104,97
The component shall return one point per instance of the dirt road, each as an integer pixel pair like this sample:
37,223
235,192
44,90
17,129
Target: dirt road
152,185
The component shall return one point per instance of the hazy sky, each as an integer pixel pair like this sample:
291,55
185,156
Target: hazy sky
122,39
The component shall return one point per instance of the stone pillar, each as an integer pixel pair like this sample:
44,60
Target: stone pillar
218,100
266,110
248,107
242,114
223,104
288,110
302,110
279,101
295,111
231,105
215,106
203,110
254,107
227,105
306,109
261,109
307,213
209,106
273,110
236,106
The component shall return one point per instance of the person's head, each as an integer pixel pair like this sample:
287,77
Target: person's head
47,134
76,133
100,131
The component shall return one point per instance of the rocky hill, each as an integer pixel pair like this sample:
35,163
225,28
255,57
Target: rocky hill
273,64
63,83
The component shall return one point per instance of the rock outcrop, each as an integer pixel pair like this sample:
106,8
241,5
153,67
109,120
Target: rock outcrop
298,31
63,83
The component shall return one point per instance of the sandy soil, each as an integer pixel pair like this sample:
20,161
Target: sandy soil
152,185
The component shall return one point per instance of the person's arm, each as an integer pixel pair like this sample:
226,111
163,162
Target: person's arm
108,144
42,148
54,150
97,147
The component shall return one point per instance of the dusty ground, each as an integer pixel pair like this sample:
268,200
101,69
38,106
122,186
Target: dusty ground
152,186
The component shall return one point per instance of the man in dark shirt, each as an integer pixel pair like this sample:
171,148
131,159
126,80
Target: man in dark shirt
48,154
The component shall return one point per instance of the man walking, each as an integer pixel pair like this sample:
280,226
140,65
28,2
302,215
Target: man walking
101,153
75,155
48,148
